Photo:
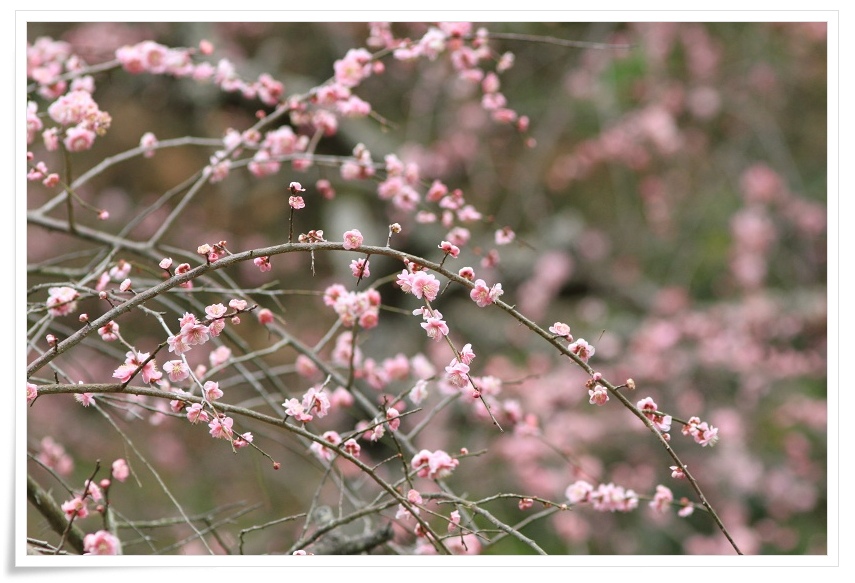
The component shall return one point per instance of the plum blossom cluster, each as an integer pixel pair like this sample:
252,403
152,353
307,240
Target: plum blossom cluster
194,332
362,308
483,296
62,301
468,51
157,59
650,410
420,283
701,431
605,497
324,453
315,403
433,465
138,362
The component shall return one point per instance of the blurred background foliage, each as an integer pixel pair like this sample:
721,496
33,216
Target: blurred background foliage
672,211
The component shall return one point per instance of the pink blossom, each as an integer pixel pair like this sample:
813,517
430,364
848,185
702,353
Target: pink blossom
353,68
581,349
263,263
237,304
295,409
220,355
677,473
120,470
221,427
484,296
109,331
265,316
525,503
435,328
425,285
196,413
467,273
296,202
101,542
433,465
504,236
61,301
561,329
449,249
392,418
599,395
75,507
316,401
662,499
84,399
212,391
242,440
148,142
467,355
648,407
457,373
360,268
352,447
32,392
579,491
78,139
352,239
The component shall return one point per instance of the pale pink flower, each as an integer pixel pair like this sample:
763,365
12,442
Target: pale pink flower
212,391
484,296
457,373
467,355
525,503
662,499
84,399
316,401
677,473
263,263
599,395
296,202
433,465
120,470
109,331
101,542
295,409
352,239
219,356
32,392
78,139
352,447
237,304
242,440
196,413
360,268
467,273
148,142
435,328
419,392
561,329
449,249
392,418
579,491
265,316
425,285
504,236
582,349
61,301
75,507
648,407
221,427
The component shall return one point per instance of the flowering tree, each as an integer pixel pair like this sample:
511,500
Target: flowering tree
455,289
